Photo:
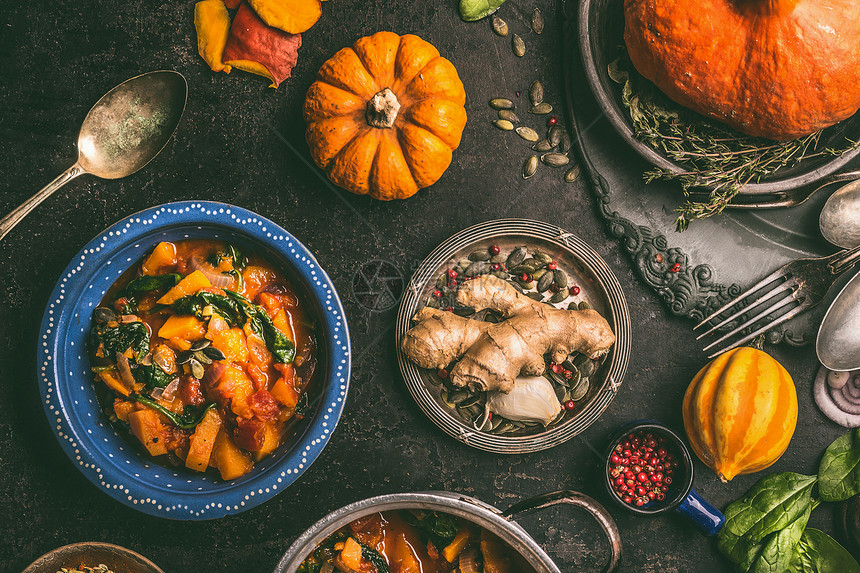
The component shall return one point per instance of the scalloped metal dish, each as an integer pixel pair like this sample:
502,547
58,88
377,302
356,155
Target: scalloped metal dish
599,287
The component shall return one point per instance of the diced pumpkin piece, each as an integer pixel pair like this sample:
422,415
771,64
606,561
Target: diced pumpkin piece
284,392
187,286
113,381
351,554
122,408
179,344
497,558
282,323
271,441
231,461
147,427
255,279
232,343
183,327
164,255
202,441
293,16
212,22
457,545
236,386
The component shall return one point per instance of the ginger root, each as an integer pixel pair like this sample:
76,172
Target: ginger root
491,356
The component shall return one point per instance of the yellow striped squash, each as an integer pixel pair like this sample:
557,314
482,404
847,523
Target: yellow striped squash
740,412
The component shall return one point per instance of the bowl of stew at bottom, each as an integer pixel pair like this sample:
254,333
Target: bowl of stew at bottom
70,394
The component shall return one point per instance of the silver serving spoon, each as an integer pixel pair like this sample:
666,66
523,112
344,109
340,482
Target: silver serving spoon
838,341
123,131
840,217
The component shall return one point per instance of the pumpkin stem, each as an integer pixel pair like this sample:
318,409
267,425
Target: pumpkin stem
382,109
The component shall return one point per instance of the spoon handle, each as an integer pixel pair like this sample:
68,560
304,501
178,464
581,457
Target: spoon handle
9,221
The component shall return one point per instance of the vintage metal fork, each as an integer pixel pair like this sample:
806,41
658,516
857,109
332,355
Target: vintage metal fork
788,198
795,287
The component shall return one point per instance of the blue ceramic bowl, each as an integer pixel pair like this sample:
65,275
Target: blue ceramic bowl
110,461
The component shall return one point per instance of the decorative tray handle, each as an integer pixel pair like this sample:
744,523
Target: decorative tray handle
590,505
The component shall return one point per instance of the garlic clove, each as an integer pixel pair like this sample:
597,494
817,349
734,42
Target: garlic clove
531,400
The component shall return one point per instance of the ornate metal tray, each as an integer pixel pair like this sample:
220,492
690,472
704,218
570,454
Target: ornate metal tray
717,256
599,287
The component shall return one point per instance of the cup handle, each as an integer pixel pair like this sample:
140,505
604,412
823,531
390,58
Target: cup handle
568,497
707,517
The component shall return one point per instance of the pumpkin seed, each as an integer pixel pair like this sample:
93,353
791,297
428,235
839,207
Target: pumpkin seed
433,302
516,257
535,296
555,159
482,255
564,144
516,286
542,145
464,263
588,368
470,400
215,354
197,369
560,296
202,358
573,306
464,311
537,21
518,45
530,166
527,133
558,378
572,174
560,393
500,258
518,424
541,109
503,428
501,103
500,27
536,93
575,377
183,358
504,124
584,306
508,115
475,411
500,275
554,135
543,257
533,264
539,273
581,389
580,360
560,278
544,283
441,282
477,268
457,397
459,270
200,345
526,285
103,314
434,380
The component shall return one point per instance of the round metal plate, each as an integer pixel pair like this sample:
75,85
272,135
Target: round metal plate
598,286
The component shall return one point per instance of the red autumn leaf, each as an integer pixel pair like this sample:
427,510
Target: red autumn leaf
232,4
260,49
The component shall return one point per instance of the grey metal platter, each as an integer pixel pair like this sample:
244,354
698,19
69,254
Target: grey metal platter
719,256
586,269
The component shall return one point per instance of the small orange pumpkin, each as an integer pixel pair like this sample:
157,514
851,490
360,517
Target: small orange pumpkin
779,69
740,412
384,116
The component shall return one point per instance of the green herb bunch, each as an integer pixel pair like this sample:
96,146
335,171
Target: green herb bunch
765,530
717,157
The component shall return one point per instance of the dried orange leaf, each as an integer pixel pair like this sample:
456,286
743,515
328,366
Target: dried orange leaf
213,26
232,4
260,49
293,16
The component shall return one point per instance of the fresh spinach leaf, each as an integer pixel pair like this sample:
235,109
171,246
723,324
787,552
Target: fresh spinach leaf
839,472
187,420
149,283
234,253
773,554
471,10
817,552
771,505
152,376
120,338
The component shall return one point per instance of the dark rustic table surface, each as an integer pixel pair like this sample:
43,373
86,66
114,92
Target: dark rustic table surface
243,143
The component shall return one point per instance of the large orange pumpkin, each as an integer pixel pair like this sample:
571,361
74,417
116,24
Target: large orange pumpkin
779,69
740,412
385,115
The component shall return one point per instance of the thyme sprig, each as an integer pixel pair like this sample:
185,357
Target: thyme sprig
717,157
